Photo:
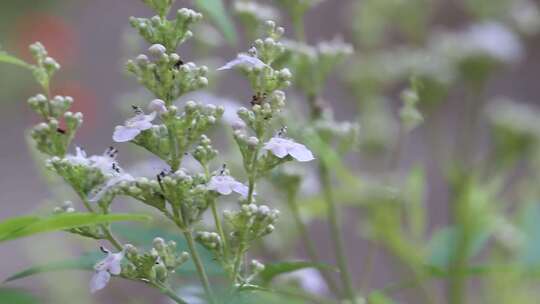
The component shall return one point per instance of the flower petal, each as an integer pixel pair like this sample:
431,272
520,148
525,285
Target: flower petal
99,280
241,189
243,60
141,121
124,134
301,153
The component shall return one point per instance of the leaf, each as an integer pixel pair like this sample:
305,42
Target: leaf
378,297
215,9
16,296
85,262
6,58
529,222
272,270
22,227
10,225
443,246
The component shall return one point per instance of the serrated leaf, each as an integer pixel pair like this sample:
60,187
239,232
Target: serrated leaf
6,58
85,262
215,9
22,227
272,270
16,296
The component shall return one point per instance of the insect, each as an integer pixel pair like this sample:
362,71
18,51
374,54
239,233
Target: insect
60,130
258,98
178,64
137,109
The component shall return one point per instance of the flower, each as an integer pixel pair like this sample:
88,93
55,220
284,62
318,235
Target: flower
243,60
111,264
106,162
111,183
282,147
310,280
79,158
496,40
225,185
133,126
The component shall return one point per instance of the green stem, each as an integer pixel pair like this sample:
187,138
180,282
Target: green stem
174,162
168,292
199,266
308,243
335,229
219,228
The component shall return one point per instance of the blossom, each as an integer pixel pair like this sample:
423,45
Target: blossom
282,147
111,183
79,158
105,163
495,40
225,185
111,264
133,127
243,60
310,280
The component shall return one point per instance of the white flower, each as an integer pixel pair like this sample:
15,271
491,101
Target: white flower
111,183
282,147
310,280
109,265
79,158
106,162
243,60
225,185
495,40
133,127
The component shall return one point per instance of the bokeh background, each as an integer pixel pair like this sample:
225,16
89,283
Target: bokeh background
92,40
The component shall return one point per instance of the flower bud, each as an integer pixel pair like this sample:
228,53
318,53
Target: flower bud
157,50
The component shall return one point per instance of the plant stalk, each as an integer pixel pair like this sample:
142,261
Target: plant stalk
199,266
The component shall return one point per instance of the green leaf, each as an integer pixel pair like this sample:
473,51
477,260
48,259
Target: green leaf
272,270
13,224
16,296
6,58
85,262
443,246
529,222
215,9
22,227
378,297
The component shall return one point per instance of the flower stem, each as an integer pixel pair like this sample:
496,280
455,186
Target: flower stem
335,229
168,292
308,243
219,228
199,266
